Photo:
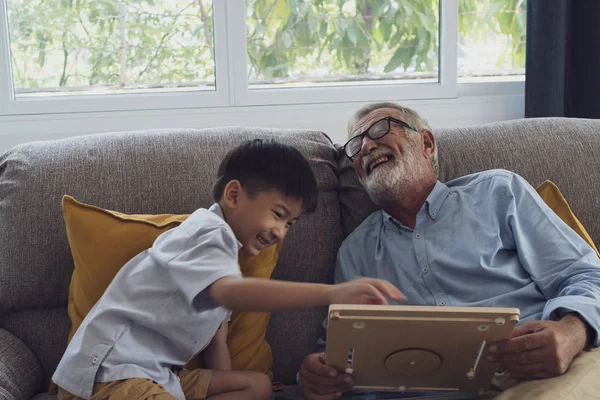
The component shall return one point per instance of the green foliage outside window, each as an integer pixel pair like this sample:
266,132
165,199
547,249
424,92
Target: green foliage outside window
81,43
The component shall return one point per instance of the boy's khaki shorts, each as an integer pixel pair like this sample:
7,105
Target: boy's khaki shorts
194,384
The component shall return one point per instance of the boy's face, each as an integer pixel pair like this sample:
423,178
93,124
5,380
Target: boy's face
263,220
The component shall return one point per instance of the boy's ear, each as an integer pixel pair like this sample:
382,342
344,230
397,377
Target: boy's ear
231,193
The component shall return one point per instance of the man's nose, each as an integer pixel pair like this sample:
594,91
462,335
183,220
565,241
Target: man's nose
368,145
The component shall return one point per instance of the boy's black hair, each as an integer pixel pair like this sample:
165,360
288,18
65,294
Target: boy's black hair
263,165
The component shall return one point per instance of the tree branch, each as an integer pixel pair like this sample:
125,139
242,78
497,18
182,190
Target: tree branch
162,40
63,77
207,33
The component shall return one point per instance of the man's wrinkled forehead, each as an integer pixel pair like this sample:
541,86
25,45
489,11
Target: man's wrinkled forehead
365,122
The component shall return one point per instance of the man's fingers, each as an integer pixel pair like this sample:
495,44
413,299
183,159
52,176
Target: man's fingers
322,358
314,396
521,358
524,377
321,390
319,381
318,392
525,370
533,371
530,341
340,382
315,364
524,329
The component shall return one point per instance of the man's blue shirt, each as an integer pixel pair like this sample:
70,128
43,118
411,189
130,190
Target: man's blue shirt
485,239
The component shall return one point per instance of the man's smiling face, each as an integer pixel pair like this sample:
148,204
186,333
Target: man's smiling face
389,166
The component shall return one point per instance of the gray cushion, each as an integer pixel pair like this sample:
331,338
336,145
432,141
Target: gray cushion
44,331
20,371
354,202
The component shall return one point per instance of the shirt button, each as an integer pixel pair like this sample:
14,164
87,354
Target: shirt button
425,270
418,235
95,360
432,214
442,303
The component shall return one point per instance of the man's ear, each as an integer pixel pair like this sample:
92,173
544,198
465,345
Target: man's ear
428,143
231,193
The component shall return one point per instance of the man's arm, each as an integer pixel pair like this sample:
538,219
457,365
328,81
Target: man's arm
567,272
563,266
585,330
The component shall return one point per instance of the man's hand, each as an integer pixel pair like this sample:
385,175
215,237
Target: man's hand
540,349
319,381
364,291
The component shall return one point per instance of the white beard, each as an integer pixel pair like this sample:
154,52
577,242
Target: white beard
390,182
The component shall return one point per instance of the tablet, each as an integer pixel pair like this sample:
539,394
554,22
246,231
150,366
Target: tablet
417,348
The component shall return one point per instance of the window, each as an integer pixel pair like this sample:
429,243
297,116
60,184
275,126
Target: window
333,43
103,47
491,39
103,55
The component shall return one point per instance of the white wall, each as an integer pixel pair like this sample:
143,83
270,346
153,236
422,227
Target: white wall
475,104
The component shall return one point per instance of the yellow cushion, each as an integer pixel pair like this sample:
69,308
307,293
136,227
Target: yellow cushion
102,241
549,192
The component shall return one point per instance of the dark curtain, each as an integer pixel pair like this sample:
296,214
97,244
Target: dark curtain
563,59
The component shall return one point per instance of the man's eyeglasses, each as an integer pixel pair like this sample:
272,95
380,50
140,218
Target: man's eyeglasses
376,131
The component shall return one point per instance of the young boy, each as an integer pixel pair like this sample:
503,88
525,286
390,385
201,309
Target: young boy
174,300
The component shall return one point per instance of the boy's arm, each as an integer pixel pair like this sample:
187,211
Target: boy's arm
216,354
256,294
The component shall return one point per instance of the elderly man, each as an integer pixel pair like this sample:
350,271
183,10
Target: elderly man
485,239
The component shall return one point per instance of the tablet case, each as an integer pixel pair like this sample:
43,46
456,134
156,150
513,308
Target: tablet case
417,348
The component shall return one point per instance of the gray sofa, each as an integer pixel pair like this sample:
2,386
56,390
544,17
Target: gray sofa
172,171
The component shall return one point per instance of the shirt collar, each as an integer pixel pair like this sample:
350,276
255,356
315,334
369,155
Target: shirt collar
436,198
434,202
216,209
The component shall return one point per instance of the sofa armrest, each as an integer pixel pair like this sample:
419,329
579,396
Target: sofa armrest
21,374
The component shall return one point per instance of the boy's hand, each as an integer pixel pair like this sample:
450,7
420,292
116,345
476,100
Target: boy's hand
364,291
216,354
221,335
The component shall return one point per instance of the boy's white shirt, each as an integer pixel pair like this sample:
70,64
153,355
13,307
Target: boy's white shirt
157,313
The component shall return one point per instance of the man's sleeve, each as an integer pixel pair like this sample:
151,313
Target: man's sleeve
564,267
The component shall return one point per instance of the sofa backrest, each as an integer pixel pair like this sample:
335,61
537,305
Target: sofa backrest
563,150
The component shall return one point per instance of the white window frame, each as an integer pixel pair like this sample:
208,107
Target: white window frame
117,102
231,77
444,88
